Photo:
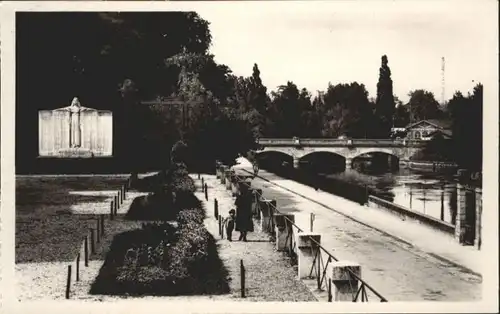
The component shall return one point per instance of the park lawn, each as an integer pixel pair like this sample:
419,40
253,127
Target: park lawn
48,229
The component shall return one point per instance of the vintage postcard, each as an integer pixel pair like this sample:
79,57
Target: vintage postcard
249,157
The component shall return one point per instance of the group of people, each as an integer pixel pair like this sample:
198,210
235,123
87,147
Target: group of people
241,218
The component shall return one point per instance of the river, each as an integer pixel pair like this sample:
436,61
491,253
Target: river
433,194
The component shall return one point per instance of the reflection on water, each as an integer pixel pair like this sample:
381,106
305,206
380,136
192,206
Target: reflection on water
429,193
433,194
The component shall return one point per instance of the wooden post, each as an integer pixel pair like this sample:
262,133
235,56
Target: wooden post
102,225
242,273
92,241
330,290
312,221
216,209
98,229
221,228
116,206
86,251
206,192
68,282
111,210
442,206
78,266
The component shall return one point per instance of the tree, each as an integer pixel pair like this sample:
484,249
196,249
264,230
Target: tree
467,126
401,116
288,107
88,54
347,111
258,92
423,105
385,105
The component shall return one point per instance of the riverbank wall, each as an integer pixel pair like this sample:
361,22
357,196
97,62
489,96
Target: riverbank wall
409,215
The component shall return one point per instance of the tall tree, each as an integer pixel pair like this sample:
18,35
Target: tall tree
385,105
423,105
347,111
258,91
467,126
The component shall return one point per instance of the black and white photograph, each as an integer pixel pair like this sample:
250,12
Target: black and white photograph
293,153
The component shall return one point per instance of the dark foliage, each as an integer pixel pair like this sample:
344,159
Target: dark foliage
116,60
384,107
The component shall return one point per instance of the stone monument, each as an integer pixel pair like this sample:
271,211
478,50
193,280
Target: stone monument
75,131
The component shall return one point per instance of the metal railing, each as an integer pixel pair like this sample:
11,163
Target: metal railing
319,266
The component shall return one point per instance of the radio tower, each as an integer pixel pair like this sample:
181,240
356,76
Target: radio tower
442,82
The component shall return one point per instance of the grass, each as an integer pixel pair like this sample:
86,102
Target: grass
47,227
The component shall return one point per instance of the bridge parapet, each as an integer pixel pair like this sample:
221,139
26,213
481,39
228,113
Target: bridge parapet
331,142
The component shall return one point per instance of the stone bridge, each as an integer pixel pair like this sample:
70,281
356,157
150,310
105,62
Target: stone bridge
346,148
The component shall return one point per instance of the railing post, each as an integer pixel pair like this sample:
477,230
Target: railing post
68,282
221,228
344,284
206,192
92,241
306,252
283,223
312,217
86,250
256,202
216,209
266,221
78,266
102,225
98,230
242,279
329,290
111,210
273,209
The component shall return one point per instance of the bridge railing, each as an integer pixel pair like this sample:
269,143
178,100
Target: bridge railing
341,142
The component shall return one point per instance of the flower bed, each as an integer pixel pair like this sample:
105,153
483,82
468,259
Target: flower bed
166,258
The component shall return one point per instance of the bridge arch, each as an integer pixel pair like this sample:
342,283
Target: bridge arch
322,152
273,156
386,151
323,161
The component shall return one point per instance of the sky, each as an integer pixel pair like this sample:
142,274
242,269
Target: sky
319,42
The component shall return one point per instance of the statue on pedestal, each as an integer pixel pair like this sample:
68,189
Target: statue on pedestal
75,140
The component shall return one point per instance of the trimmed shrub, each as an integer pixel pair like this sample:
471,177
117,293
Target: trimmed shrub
186,217
160,259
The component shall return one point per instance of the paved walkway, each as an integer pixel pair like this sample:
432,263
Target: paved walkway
400,272
270,276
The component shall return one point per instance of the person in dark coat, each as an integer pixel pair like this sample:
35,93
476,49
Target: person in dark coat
244,222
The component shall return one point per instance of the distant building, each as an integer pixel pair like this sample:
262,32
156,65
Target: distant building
427,129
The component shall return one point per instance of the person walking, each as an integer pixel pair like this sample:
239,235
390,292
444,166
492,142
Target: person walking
244,222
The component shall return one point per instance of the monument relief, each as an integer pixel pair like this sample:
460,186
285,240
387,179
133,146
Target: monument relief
75,131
